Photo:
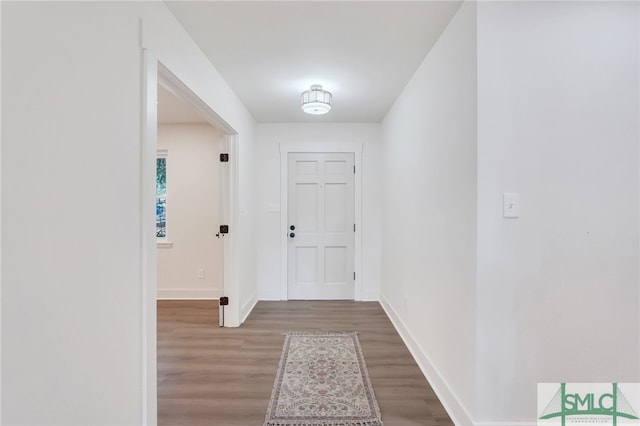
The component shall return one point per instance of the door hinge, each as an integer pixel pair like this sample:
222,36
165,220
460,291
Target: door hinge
354,276
354,170
354,227
224,158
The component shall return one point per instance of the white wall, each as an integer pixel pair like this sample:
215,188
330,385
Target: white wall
71,293
193,212
429,215
267,187
558,122
72,308
554,295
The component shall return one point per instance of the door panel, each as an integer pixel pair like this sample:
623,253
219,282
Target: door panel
306,206
335,265
335,215
321,209
306,168
335,167
306,267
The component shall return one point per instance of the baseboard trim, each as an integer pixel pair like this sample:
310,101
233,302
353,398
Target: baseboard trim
188,294
247,308
450,402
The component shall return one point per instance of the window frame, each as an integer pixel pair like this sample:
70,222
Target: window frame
163,242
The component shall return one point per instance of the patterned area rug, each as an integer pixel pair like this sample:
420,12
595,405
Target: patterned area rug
322,380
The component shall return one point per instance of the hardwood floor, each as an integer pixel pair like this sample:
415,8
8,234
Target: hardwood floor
209,375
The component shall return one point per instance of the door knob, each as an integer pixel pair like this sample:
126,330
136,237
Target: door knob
293,228
292,235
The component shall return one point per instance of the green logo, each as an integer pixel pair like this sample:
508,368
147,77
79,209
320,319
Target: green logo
587,404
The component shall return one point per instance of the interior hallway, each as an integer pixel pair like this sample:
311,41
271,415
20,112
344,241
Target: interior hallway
209,375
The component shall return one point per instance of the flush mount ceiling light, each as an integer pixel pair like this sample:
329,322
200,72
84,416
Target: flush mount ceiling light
315,100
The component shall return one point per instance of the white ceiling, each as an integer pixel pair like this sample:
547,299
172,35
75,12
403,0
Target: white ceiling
172,110
364,52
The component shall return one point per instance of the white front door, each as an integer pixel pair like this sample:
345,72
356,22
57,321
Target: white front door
321,226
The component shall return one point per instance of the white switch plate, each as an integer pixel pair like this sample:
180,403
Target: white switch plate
201,273
511,205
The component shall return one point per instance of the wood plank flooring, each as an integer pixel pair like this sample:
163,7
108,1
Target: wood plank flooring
213,376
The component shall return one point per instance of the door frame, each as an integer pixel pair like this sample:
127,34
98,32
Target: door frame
227,144
318,147
154,72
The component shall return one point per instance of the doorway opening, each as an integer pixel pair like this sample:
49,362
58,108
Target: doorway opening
155,74
189,204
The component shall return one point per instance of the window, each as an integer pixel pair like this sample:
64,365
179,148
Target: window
161,194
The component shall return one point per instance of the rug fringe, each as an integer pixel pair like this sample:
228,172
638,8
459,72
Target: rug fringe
321,333
324,423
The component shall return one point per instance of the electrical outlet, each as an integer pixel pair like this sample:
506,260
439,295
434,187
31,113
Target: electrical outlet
201,273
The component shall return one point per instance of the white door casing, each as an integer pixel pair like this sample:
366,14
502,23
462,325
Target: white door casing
321,213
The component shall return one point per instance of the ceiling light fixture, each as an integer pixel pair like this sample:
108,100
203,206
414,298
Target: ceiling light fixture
315,100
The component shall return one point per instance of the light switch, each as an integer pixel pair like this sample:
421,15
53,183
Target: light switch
511,207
